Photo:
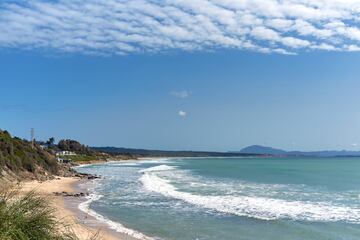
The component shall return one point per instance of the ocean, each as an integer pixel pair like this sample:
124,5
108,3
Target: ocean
228,198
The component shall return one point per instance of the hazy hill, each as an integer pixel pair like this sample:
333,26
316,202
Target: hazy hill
257,149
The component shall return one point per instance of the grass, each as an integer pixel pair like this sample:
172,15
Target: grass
80,158
29,217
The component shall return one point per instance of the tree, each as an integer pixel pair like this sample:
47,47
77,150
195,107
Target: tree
50,142
73,146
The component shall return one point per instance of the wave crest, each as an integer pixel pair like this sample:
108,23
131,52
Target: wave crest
157,169
249,206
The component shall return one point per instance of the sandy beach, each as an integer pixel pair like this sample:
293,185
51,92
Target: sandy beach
64,212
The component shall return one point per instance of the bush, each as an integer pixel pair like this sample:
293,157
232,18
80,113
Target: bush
29,217
20,155
74,146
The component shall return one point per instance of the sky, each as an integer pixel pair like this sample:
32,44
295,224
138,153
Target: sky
183,75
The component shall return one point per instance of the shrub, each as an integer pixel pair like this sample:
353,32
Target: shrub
20,155
29,217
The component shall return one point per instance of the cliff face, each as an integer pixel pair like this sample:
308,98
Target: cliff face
20,159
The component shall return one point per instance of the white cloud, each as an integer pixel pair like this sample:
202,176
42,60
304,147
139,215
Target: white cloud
181,94
118,27
305,28
264,33
353,48
182,113
280,24
324,46
294,42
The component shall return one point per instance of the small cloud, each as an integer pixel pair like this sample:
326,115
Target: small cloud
182,113
354,144
181,94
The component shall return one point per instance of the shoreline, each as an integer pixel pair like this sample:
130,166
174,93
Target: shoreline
74,210
95,220
116,230
65,207
85,223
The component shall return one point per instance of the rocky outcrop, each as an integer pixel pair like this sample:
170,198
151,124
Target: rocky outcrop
67,194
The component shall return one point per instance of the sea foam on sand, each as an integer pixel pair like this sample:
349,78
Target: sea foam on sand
118,227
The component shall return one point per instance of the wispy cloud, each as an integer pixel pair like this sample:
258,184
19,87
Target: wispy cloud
117,27
182,113
181,94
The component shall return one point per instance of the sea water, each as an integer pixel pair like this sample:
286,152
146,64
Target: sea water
229,198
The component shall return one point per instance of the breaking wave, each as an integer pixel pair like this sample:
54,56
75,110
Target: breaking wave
250,206
157,169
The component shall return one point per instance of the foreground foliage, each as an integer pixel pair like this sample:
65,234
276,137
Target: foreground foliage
29,217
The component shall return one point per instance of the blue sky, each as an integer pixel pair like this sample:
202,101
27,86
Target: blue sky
293,87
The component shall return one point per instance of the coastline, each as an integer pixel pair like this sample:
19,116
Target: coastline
63,211
94,220
66,208
85,223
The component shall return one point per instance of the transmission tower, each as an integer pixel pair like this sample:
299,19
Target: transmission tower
32,136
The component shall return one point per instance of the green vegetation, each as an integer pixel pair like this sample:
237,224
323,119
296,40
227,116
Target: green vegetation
20,155
83,153
80,158
74,146
29,217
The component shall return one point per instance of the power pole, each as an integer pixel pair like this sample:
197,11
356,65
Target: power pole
32,136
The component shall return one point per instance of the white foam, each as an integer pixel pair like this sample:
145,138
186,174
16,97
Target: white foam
130,162
81,166
157,169
85,207
255,207
160,159
125,164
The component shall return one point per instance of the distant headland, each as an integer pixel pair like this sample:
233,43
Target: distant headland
263,150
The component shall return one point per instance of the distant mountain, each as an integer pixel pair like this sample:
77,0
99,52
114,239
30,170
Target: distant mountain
257,149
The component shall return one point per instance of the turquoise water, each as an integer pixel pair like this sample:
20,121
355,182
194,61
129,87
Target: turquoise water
230,198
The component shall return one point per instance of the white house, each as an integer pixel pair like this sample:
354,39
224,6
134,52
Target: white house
65,153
